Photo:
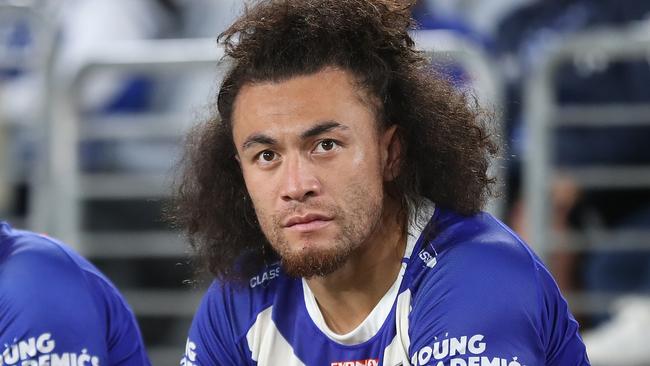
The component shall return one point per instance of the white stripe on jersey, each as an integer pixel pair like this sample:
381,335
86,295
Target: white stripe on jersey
396,353
267,345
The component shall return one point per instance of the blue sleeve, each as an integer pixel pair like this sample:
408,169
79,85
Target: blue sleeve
563,343
492,304
124,341
213,340
55,312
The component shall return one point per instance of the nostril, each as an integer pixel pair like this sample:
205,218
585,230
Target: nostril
297,195
309,194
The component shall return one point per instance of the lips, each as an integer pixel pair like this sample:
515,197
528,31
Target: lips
308,222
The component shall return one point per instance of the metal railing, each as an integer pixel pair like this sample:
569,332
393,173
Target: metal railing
486,85
70,186
542,114
35,59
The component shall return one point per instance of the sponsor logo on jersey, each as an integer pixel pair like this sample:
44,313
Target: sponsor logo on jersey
459,351
40,351
367,362
264,277
190,354
429,259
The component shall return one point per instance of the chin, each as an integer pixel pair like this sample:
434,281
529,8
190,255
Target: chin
314,259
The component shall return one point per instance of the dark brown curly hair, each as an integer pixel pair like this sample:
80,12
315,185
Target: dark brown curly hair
446,146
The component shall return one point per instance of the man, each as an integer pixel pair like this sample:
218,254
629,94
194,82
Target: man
336,198
57,309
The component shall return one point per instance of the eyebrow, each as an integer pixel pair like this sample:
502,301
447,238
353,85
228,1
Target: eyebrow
258,138
322,128
262,139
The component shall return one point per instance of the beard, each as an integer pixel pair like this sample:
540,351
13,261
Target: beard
320,262
356,222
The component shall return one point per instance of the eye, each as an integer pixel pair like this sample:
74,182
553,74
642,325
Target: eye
266,156
325,145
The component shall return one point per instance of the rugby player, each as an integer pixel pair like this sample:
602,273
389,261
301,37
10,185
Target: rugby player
57,309
336,198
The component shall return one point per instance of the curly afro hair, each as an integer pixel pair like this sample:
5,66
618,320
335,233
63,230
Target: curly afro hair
446,143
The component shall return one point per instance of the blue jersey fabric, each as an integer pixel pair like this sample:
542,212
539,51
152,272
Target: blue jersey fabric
470,294
57,309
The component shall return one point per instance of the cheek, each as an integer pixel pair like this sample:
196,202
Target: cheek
263,210
365,168
359,158
258,189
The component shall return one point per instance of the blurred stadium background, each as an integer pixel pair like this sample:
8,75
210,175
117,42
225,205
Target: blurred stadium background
95,96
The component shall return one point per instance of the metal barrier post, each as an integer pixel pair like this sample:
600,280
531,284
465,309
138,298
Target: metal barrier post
542,114
486,83
40,63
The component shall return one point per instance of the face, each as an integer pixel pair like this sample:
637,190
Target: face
314,162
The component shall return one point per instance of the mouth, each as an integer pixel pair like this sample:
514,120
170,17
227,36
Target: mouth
307,223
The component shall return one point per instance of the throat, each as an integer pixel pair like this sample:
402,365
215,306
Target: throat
346,321
353,304
349,319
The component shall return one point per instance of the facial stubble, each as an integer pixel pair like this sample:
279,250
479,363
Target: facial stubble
357,222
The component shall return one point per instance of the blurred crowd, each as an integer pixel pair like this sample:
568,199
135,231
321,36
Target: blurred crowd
38,54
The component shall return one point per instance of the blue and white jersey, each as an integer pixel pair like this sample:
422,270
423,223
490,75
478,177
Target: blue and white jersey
469,293
56,309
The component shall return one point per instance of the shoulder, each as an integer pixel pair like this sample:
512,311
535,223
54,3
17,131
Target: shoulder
46,266
227,312
479,247
239,303
47,290
488,285
484,278
37,262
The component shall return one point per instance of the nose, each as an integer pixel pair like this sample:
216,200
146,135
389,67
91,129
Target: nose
299,181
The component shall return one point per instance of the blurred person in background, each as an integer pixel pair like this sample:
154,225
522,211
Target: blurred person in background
71,33
477,16
85,26
523,38
79,28
56,308
336,198
429,15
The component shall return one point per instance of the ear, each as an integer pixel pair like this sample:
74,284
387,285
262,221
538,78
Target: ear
391,146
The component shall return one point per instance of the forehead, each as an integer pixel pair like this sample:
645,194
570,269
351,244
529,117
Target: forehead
328,95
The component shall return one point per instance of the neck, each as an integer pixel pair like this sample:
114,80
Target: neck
347,296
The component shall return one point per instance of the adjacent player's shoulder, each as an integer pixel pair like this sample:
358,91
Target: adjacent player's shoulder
27,258
42,278
30,259
53,298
